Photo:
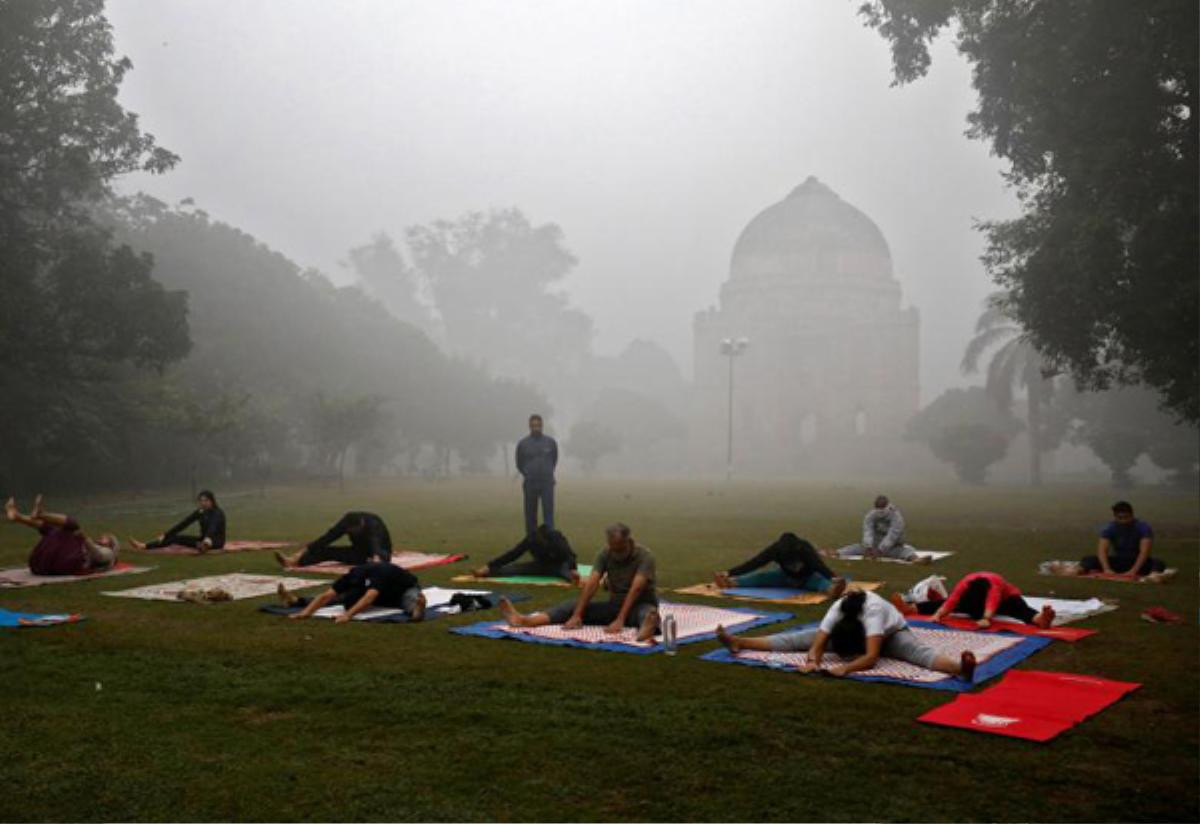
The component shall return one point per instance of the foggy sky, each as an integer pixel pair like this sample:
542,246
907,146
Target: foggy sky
651,132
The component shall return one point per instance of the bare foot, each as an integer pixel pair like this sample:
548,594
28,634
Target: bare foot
576,581
837,588
286,598
966,666
283,560
418,613
729,641
10,509
723,581
481,572
1045,619
136,544
649,626
510,613
37,510
922,560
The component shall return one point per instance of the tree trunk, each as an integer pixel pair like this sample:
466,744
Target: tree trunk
1034,419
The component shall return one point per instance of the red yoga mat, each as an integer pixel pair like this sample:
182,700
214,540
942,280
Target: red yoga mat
1029,704
1069,634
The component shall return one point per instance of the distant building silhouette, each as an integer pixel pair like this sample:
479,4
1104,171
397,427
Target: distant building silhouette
830,377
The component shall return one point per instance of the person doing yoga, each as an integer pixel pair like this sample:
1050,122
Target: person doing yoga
860,628
552,557
982,596
369,540
365,586
64,548
798,564
633,601
212,528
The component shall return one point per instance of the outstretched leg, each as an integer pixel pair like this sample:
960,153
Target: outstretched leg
516,619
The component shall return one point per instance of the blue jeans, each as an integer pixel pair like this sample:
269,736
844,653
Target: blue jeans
535,491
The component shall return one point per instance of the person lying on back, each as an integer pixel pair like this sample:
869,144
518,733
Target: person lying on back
64,548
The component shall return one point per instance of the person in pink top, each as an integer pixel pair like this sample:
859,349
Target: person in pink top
983,596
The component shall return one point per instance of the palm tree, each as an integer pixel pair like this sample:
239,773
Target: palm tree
1015,363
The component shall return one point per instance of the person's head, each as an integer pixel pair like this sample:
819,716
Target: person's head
1123,512
109,540
206,499
977,589
849,636
881,502
620,539
535,424
358,522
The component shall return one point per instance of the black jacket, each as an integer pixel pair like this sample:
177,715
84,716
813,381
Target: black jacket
212,526
373,538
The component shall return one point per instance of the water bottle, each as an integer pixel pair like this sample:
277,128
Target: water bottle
669,635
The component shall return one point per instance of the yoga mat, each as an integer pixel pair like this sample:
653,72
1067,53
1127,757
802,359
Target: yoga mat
1068,634
693,622
230,546
995,653
9,618
437,606
1031,704
584,571
1053,567
238,585
932,554
770,595
18,577
409,560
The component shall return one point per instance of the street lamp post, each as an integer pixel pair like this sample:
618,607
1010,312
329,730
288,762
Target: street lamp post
731,348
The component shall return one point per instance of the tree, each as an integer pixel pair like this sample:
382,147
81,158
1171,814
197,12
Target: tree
1176,449
490,277
1118,426
589,442
966,429
339,423
1093,105
1015,363
75,306
382,268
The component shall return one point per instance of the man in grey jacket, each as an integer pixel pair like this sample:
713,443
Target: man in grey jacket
537,455
883,536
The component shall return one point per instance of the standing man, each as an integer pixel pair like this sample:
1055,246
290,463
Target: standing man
537,455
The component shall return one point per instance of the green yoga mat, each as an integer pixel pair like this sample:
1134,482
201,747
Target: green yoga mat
584,571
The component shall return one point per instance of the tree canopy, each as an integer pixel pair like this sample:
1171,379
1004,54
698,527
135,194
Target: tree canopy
1093,105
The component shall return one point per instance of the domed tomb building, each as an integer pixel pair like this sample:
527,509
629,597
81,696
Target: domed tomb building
829,378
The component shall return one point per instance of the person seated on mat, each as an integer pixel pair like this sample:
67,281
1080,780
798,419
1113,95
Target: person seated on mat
367,585
633,601
799,565
212,528
882,536
369,539
1124,547
64,549
552,557
861,628
982,596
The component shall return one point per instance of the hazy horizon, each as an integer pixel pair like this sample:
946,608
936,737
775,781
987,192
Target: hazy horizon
651,133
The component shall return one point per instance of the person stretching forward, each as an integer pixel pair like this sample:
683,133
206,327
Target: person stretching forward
632,602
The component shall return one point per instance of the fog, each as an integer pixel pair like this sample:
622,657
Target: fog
651,133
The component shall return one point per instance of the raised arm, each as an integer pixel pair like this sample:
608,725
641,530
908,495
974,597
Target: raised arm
192,517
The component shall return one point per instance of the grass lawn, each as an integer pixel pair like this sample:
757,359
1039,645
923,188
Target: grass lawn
220,712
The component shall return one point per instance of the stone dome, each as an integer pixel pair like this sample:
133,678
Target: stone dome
811,234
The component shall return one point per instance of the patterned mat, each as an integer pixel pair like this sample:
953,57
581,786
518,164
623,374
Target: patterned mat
409,560
238,585
230,546
18,577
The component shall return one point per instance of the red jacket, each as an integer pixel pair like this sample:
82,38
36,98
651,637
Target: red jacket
999,590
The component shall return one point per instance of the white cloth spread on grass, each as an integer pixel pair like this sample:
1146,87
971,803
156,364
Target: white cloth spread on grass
434,597
238,585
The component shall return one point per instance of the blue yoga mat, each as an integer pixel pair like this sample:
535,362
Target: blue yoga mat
35,619
487,629
986,670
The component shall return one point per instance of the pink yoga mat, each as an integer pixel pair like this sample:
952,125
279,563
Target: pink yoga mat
408,560
230,546
21,576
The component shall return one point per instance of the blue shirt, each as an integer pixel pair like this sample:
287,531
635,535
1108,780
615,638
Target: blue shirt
1126,537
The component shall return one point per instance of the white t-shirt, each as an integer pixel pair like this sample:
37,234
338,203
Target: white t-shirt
879,617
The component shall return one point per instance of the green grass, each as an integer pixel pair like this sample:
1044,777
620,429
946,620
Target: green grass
220,712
